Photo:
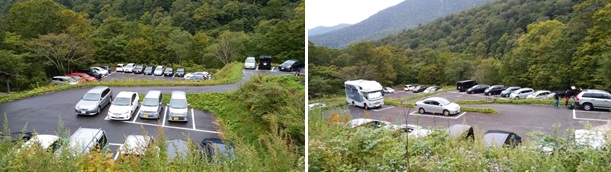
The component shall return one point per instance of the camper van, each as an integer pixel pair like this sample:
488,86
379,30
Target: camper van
364,93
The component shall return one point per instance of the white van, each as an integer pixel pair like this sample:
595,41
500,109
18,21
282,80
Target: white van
250,63
178,107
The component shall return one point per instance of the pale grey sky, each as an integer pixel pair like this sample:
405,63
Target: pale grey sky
334,12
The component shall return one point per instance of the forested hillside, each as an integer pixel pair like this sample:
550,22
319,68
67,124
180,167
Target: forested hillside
42,38
324,29
405,15
549,44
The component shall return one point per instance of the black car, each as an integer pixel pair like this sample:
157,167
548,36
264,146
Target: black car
265,62
214,147
148,70
291,65
419,88
168,71
90,73
502,138
180,72
494,90
462,86
479,88
139,69
509,90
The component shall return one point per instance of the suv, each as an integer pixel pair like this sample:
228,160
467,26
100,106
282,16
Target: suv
168,71
180,72
93,101
265,62
593,99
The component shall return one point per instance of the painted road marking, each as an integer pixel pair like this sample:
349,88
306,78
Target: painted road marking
165,112
172,127
136,116
116,156
386,108
115,144
587,119
193,118
415,113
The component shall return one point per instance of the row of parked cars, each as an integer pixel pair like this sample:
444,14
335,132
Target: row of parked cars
127,104
421,88
158,70
86,140
82,75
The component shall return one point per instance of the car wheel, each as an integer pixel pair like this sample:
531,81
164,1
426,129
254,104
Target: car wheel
365,106
421,111
446,113
98,111
587,106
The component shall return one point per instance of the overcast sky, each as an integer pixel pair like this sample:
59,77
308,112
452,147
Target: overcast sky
334,12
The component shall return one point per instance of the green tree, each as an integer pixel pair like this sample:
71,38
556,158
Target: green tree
62,51
229,46
139,50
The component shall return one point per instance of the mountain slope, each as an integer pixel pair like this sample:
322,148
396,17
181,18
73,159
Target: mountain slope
324,29
405,15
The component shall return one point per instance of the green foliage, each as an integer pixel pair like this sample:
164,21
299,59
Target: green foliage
478,110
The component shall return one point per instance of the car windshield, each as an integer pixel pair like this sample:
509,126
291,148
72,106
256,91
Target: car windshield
121,101
250,60
85,75
71,79
289,62
372,95
444,101
91,97
139,67
222,148
129,65
158,69
150,102
148,68
180,70
168,69
178,103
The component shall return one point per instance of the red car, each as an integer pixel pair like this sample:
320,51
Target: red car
83,75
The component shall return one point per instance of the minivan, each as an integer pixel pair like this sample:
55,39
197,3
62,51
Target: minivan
265,62
178,106
462,86
94,101
151,106
250,63
85,140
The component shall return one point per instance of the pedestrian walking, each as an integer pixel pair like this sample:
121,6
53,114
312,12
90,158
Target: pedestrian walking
556,102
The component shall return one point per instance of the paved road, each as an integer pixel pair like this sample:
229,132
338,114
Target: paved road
42,114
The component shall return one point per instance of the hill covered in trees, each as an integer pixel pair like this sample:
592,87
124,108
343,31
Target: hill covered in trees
42,38
547,44
405,15
324,29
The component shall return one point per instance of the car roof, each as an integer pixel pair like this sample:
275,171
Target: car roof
83,138
175,147
98,89
179,95
125,94
62,77
437,99
43,139
594,91
135,144
152,94
496,139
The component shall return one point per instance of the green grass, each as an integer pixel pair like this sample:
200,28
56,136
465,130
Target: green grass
229,74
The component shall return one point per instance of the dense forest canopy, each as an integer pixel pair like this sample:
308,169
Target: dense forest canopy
42,38
551,44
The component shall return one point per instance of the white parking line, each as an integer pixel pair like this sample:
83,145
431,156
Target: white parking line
436,116
257,68
116,156
172,127
193,118
386,108
136,116
587,119
115,144
165,112
272,69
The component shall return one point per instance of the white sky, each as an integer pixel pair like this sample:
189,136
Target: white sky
334,12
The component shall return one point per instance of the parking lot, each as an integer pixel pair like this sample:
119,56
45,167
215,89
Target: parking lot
516,118
125,76
43,113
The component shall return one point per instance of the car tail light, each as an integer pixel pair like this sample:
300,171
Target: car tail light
576,98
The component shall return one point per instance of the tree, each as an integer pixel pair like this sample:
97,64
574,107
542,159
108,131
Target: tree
229,46
488,71
61,50
36,17
140,50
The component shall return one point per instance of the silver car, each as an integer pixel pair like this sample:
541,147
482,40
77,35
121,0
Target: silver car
178,107
593,99
94,101
151,107
63,80
437,105
521,93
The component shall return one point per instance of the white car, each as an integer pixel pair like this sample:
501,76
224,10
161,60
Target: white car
437,105
538,94
135,145
158,71
123,106
521,93
189,76
129,68
250,63
409,88
44,141
100,70
370,122
388,90
119,68
414,130
316,105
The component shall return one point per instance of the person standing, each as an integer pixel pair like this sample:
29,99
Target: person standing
556,102
566,101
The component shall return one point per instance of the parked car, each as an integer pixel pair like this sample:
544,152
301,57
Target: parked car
461,130
148,70
593,99
84,76
509,90
216,151
129,68
63,80
494,90
541,94
501,138
479,88
197,76
119,68
178,107
265,62
431,89
250,63
168,71
177,148
414,130
291,65
369,123
94,101
316,105
521,93
85,140
158,71
78,79
139,69
462,86
180,72
108,68
135,145
437,105
408,88
16,136
45,141
388,90
419,88
151,106
301,72
123,106
100,71
90,72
